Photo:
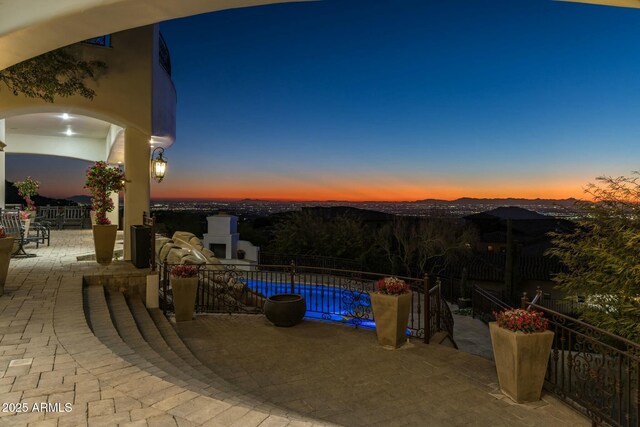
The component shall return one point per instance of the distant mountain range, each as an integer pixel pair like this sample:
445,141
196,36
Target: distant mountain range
80,199
467,201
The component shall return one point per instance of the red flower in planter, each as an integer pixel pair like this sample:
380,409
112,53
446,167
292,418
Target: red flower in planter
392,286
184,271
519,320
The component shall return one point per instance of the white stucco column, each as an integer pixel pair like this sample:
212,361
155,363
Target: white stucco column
136,170
3,141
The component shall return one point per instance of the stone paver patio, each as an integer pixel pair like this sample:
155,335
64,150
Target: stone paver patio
50,358
341,375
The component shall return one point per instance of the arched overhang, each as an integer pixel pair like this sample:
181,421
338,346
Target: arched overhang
31,27
55,133
617,3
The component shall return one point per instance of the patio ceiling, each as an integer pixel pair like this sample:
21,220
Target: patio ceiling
66,135
53,124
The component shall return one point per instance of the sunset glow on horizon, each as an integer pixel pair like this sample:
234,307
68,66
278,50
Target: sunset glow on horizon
379,100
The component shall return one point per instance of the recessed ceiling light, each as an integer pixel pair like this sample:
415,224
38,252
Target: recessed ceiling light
65,116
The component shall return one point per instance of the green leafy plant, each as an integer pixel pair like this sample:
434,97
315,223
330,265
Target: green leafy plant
27,189
102,180
56,73
601,256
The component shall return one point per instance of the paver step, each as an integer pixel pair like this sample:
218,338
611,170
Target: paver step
99,319
127,328
154,338
172,339
160,335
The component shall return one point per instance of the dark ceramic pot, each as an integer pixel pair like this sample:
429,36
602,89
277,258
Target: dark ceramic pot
285,309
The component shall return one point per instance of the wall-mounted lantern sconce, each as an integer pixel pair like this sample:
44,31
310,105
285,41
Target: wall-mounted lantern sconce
158,165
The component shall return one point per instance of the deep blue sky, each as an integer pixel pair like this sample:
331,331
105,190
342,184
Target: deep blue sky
403,99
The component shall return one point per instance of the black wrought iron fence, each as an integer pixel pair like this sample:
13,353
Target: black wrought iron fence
273,258
592,370
564,306
330,294
485,302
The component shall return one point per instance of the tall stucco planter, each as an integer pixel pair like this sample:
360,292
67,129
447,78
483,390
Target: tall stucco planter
521,361
184,297
104,240
391,314
6,249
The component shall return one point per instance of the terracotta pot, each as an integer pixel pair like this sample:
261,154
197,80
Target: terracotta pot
285,309
184,297
104,240
521,361
391,314
6,249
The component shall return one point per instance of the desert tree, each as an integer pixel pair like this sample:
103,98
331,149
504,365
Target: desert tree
415,246
307,232
602,255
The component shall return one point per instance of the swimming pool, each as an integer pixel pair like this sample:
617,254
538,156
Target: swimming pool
327,303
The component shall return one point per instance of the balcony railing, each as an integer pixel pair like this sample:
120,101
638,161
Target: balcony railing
100,41
164,56
591,369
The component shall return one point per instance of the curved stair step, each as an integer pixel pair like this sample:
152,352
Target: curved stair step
128,330
172,339
99,319
154,338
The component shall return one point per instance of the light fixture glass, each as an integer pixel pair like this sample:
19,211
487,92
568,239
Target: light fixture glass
69,132
158,165
65,116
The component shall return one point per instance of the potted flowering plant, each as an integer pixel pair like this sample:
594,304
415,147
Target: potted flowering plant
521,348
184,285
6,249
27,189
25,217
391,303
102,180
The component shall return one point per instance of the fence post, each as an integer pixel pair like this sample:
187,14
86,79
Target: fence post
524,301
427,307
293,277
438,303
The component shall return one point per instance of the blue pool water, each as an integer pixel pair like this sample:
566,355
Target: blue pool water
326,303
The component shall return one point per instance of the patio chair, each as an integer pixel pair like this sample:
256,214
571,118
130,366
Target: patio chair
74,216
51,216
14,227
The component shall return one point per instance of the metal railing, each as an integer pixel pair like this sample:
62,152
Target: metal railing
590,369
99,41
330,294
593,369
273,258
164,55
